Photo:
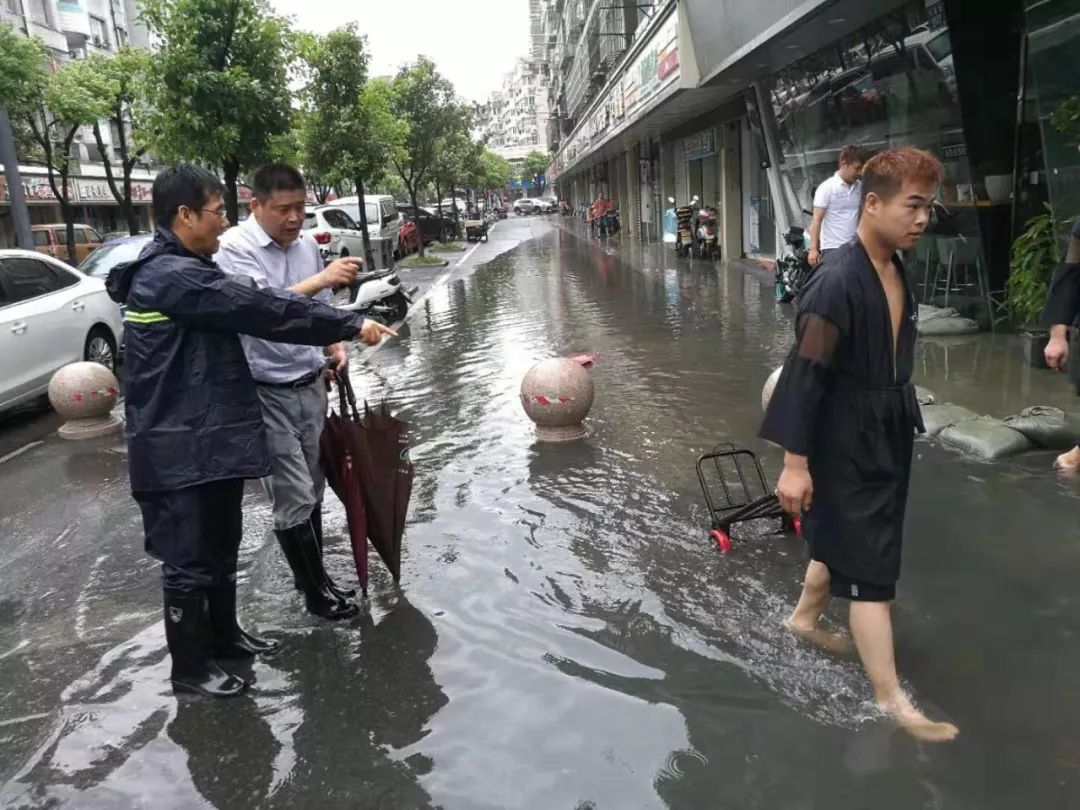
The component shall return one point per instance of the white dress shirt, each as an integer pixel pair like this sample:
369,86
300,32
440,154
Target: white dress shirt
246,250
842,202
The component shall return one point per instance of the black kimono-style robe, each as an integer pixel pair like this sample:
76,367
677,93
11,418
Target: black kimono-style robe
846,401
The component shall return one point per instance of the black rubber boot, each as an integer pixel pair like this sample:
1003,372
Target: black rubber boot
316,526
230,639
193,670
301,549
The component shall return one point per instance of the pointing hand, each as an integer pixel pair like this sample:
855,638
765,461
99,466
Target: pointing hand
372,332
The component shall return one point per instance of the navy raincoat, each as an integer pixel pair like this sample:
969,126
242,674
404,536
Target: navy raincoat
193,415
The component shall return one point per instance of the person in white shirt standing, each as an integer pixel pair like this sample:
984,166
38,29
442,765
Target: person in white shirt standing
837,202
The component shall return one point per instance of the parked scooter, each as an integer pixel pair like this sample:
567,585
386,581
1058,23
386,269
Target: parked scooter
684,234
380,295
706,235
793,267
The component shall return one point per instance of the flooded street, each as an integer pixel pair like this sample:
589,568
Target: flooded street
565,635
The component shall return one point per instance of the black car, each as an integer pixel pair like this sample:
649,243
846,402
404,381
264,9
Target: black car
432,228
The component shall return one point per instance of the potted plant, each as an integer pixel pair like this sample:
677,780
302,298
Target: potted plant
1034,257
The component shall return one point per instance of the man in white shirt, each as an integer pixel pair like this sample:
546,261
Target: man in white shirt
836,207
268,248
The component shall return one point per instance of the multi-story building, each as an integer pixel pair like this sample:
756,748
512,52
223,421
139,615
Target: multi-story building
513,120
747,104
75,29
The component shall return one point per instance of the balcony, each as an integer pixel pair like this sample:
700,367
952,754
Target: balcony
74,21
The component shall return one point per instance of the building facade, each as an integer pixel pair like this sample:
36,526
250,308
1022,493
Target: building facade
747,105
514,119
75,29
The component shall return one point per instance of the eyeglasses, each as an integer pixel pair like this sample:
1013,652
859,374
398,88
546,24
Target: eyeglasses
220,212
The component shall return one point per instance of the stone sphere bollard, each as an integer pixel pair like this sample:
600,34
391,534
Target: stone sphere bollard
557,395
84,394
770,385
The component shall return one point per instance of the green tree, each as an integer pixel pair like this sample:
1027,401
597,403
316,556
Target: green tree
533,168
22,66
66,105
424,101
455,157
491,171
114,91
219,87
350,131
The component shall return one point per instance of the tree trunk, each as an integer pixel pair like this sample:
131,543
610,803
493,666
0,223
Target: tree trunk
369,257
231,169
128,163
416,214
438,196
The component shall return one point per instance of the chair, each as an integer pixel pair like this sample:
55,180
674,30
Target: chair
960,260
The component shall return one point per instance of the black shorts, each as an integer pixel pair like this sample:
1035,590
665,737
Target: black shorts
844,587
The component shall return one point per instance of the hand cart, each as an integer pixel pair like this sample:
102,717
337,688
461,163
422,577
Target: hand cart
736,491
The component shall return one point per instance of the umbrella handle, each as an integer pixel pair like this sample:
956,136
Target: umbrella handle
346,394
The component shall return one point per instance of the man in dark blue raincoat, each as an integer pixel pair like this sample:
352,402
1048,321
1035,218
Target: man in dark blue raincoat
195,429
845,412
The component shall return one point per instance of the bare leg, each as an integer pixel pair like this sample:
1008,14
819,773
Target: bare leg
1069,461
815,598
871,625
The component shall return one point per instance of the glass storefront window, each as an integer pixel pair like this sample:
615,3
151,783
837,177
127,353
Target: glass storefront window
889,84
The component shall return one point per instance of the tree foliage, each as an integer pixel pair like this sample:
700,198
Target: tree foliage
423,100
219,83
23,63
533,168
348,132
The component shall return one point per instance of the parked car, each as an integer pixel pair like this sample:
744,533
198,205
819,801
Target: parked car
52,241
432,227
383,220
50,315
334,231
526,205
125,249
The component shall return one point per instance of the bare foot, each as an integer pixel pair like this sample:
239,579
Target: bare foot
1069,461
901,710
837,643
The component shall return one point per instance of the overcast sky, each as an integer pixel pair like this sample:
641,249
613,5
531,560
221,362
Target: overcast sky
474,42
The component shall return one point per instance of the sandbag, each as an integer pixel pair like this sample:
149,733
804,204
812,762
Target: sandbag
1050,428
924,396
948,326
938,417
929,313
986,438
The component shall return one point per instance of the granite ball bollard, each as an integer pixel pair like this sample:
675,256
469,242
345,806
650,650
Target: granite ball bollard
770,386
557,395
84,394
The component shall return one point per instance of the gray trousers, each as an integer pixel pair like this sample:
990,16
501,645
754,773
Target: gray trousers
294,420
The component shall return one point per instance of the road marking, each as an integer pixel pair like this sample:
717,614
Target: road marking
20,451
467,255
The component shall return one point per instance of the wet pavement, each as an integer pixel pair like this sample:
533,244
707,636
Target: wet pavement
565,636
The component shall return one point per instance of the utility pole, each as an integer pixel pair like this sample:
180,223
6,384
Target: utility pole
16,196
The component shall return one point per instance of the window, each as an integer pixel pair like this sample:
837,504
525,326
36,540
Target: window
37,11
41,238
24,279
98,33
311,222
338,219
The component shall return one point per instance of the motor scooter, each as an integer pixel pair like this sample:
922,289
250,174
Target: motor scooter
380,295
684,234
707,237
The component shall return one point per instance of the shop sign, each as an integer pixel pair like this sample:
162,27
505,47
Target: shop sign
655,67
701,145
36,189
97,191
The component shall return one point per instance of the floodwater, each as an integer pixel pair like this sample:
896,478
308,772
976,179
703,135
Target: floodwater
565,636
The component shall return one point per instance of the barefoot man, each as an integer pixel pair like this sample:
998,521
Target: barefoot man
1062,309
845,412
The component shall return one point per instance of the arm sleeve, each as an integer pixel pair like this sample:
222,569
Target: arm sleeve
206,298
1063,297
821,196
792,413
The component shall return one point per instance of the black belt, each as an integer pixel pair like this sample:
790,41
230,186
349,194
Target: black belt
301,382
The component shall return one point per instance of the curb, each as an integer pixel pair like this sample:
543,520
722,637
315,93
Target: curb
441,264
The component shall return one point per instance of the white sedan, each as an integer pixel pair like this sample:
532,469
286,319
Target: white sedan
335,232
50,315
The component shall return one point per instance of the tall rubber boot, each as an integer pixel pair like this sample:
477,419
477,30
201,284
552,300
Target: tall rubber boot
316,525
193,670
301,549
230,639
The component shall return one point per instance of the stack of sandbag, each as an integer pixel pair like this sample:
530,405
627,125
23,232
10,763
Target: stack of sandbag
937,321
1046,427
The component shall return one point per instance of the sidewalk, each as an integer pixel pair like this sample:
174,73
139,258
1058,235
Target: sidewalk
984,373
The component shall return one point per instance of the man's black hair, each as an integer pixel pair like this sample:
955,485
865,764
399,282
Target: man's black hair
185,184
276,177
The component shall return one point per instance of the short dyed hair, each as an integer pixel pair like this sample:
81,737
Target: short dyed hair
851,154
884,174
276,177
188,185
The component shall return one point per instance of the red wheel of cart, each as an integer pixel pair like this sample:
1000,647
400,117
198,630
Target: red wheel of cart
722,540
